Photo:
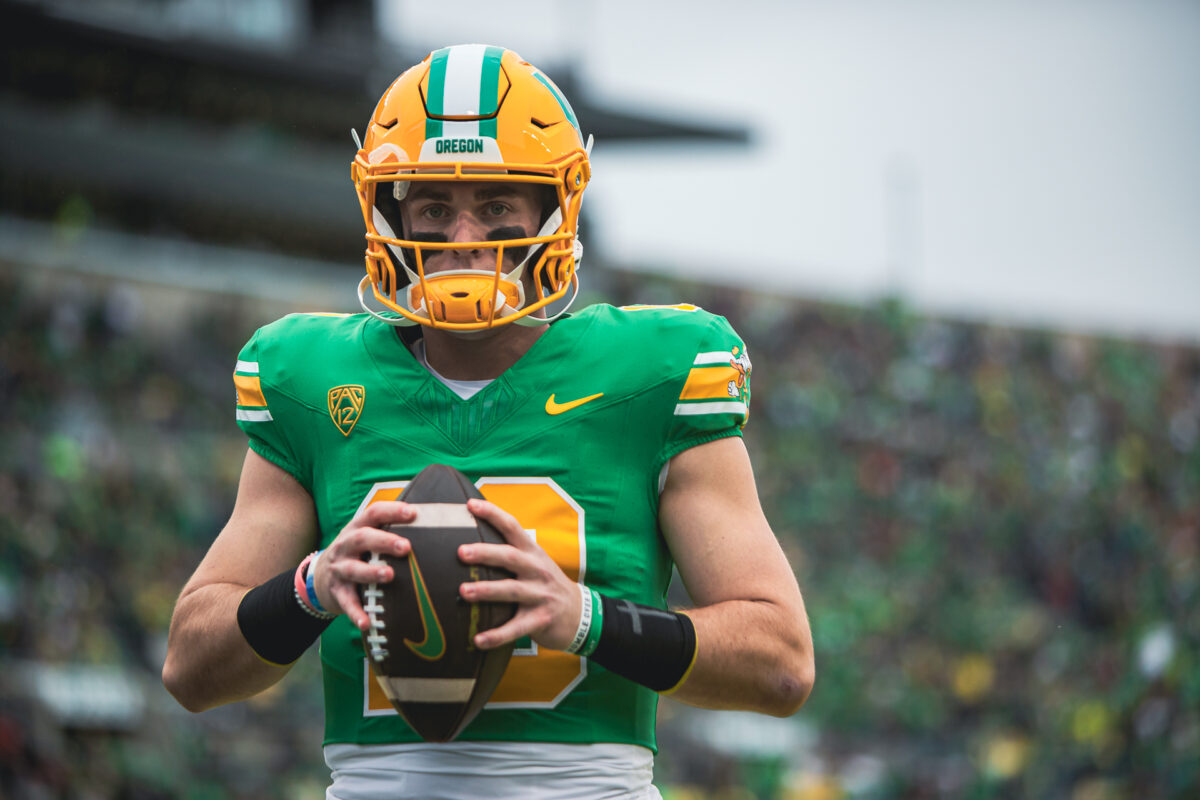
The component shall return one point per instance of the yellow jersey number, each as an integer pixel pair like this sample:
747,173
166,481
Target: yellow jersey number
536,677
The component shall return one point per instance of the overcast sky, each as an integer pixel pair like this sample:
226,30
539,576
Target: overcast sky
1029,161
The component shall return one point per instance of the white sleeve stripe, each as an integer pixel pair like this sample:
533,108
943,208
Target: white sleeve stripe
249,367
720,407
717,357
245,415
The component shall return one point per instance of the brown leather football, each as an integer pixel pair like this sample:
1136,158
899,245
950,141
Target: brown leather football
420,643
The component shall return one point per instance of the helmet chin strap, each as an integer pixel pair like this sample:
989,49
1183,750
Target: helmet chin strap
397,321
530,321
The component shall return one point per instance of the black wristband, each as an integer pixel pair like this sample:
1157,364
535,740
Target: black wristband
649,646
274,624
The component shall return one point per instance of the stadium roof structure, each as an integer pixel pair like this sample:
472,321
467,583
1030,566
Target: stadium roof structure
152,127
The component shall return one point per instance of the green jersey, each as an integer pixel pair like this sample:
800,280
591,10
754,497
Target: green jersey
571,440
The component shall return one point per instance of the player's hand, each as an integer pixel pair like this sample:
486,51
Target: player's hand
341,567
548,602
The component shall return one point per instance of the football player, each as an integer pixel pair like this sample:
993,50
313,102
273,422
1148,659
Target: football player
606,441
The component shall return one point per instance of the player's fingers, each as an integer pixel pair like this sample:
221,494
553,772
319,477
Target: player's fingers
386,512
353,543
495,555
501,591
343,561
502,521
355,570
515,628
347,599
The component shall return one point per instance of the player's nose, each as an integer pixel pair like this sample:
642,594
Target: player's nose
467,228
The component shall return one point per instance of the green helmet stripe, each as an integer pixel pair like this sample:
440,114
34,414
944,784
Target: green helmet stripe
436,93
489,100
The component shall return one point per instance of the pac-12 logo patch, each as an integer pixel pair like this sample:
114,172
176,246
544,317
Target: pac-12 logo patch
346,405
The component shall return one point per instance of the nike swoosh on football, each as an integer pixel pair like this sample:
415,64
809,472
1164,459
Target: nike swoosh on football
558,408
433,646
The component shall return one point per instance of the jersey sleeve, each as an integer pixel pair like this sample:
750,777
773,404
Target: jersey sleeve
713,399
255,414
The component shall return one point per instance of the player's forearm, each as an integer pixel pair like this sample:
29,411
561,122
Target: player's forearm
750,655
208,660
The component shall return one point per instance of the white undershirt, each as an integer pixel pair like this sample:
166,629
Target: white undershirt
464,389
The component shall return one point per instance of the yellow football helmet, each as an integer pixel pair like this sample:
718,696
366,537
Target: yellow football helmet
471,113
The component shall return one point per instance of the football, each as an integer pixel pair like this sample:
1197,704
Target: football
420,643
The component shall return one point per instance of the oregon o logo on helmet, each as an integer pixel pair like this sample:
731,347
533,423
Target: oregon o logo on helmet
459,146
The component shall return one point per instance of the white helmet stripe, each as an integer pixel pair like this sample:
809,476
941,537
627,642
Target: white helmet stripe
460,96
463,82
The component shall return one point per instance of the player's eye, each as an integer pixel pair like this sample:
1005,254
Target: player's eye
434,212
497,209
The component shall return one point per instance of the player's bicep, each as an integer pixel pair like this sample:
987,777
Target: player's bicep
715,528
272,527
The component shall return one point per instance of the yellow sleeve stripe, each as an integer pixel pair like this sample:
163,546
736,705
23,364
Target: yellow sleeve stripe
676,307
708,383
249,391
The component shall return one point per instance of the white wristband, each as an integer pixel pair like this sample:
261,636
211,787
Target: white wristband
585,620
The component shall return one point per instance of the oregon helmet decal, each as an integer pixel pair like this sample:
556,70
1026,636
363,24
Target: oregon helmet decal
471,113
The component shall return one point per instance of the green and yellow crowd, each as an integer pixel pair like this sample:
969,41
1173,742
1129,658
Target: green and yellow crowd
996,529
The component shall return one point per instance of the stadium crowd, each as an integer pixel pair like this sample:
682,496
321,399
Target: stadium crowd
997,531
